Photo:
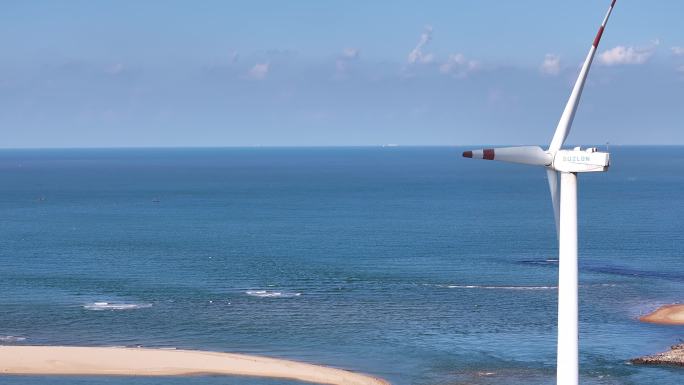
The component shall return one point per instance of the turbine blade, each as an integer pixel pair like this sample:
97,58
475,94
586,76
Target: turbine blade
552,177
533,155
563,128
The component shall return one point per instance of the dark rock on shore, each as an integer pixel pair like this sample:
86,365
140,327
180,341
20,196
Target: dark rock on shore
673,357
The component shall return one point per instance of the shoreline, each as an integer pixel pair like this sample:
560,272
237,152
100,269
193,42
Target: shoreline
666,315
117,361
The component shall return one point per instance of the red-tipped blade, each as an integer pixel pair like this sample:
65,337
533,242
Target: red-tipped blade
525,154
565,122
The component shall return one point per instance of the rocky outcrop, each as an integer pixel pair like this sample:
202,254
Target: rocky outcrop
673,357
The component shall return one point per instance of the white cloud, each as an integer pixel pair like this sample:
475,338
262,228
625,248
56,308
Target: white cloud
550,65
259,71
115,69
234,57
341,65
494,95
678,51
344,60
350,53
458,65
628,55
417,55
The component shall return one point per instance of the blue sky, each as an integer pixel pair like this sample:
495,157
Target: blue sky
244,73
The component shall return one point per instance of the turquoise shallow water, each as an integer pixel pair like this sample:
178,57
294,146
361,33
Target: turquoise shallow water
408,263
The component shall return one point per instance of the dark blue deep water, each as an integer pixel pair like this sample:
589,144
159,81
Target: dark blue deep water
412,264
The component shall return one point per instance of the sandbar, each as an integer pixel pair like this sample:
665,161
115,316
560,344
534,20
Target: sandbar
666,315
116,361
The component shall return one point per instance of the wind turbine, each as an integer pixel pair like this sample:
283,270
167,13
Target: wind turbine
568,163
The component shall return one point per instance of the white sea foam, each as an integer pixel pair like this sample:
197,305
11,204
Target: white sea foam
98,306
518,287
12,339
499,287
271,294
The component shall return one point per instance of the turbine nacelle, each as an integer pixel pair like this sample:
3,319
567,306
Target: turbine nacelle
578,160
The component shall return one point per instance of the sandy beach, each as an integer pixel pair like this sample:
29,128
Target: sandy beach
666,315
114,361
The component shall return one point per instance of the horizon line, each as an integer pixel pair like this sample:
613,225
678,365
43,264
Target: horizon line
390,145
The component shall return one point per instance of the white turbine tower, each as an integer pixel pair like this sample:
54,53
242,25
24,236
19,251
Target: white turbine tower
568,163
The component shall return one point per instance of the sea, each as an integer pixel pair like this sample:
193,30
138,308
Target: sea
408,263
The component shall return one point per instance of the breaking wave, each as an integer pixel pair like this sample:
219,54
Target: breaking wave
271,294
499,287
98,306
12,339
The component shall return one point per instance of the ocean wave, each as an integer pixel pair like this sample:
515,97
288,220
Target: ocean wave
499,287
98,306
493,287
541,262
12,339
637,273
271,294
